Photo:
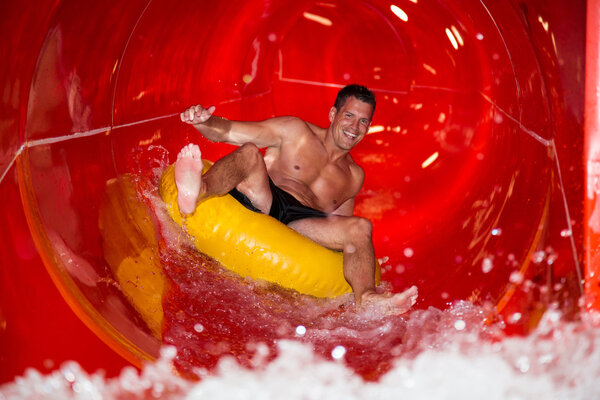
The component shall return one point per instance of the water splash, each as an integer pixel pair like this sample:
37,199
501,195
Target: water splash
559,360
227,337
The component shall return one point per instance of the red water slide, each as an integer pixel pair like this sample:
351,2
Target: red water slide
474,167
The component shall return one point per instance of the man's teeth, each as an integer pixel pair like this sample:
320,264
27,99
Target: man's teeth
352,135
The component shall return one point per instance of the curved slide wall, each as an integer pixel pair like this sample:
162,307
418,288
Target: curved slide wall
474,174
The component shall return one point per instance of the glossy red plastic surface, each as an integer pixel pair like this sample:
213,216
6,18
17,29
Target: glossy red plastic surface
592,156
473,167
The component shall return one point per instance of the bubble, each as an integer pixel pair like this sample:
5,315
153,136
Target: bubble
566,233
338,352
68,373
408,252
460,325
168,352
496,231
199,327
300,330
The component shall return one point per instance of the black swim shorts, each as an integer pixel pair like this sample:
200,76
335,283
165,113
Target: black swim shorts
285,207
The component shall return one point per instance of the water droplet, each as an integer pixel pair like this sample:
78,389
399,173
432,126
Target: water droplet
551,258
247,78
459,325
487,265
516,277
383,260
168,352
523,364
566,233
408,252
300,330
338,352
515,317
538,256
496,231
198,327
69,376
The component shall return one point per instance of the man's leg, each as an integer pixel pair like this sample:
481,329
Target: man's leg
352,236
243,169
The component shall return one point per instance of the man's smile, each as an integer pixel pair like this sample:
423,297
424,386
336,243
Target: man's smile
350,134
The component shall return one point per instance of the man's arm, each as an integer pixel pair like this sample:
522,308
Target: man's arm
267,133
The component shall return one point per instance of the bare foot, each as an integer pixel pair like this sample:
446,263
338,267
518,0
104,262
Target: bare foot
391,303
188,178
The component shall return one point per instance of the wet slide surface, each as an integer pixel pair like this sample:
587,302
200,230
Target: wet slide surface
473,172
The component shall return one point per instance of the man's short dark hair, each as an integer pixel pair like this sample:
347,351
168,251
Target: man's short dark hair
360,92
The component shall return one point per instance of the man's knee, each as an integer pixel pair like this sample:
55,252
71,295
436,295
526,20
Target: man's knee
251,153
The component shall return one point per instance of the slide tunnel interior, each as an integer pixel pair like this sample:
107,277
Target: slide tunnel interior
474,178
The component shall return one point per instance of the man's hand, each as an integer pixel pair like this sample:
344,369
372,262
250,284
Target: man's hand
197,114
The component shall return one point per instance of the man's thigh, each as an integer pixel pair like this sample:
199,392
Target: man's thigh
329,232
257,189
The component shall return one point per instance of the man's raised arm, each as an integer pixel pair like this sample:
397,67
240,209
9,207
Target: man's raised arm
219,129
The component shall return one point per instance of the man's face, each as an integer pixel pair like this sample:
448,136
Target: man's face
350,123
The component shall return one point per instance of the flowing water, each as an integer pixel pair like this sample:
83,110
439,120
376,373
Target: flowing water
232,338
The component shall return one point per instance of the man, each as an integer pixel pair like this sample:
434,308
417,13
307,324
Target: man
306,179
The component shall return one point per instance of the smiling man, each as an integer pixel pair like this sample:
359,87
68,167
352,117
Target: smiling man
306,179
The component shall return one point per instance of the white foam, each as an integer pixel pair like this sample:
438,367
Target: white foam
558,361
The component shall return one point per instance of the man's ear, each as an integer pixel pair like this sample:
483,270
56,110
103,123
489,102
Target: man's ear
332,112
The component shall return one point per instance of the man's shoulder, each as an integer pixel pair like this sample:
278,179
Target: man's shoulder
357,171
296,127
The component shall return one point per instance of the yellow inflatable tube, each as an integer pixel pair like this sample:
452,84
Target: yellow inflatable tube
258,246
